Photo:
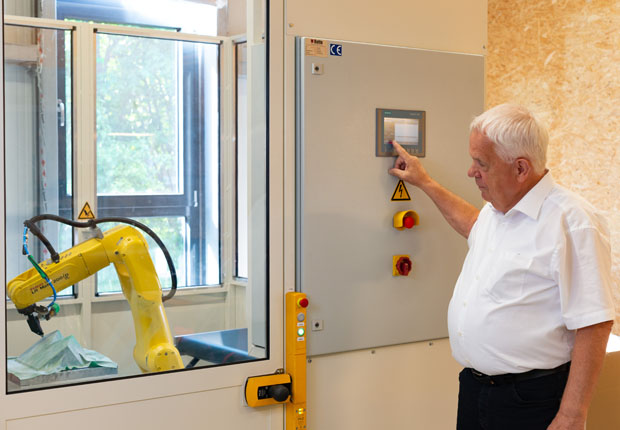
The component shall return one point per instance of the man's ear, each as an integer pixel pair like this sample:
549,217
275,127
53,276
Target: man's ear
523,169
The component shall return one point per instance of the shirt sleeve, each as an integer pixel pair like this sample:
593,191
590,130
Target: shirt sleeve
583,272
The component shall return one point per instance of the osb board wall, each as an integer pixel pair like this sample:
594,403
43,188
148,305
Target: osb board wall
561,58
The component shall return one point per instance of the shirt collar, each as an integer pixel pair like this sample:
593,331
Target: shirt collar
531,203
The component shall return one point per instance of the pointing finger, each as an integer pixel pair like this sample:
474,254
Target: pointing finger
399,149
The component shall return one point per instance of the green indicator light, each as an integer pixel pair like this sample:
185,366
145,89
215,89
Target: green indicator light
301,331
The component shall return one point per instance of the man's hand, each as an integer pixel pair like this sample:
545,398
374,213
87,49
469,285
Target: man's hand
586,364
460,215
563,422
408,168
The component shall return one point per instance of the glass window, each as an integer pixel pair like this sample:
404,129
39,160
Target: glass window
144,145
157,146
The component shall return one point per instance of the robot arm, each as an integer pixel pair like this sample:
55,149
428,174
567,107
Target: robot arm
127,250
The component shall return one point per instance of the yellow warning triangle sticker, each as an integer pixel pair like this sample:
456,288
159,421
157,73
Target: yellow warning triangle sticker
86,212
400,193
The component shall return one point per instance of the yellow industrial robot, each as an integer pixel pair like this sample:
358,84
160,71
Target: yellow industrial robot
124,247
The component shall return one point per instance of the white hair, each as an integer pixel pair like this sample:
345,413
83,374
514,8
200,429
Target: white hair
516,133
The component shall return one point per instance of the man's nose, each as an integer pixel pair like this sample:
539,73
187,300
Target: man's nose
471,172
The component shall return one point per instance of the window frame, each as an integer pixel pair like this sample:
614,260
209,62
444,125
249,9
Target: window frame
236,45
84,142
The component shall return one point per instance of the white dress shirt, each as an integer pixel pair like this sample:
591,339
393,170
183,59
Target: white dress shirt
531,277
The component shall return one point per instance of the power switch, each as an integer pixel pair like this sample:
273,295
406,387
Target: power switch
401,265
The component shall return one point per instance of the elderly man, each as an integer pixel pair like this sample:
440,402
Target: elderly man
531,311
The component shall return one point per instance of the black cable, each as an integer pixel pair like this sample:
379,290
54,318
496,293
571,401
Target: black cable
38,233
92,223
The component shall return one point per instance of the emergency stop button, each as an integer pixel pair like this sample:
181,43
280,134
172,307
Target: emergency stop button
405,220
401,265
302,303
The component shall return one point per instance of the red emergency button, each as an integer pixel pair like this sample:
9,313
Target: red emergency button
302,303
405,220
408,221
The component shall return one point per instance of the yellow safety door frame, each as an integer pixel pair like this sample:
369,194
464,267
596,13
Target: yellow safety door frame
296,335
289,386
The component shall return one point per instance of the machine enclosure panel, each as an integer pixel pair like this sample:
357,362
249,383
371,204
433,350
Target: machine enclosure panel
345,236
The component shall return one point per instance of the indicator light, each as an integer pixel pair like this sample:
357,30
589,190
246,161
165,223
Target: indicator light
301,331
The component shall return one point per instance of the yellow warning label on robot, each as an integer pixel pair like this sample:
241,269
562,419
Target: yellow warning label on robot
400,193
86,212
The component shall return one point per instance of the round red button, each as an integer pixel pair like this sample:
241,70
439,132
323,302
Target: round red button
302,303
408,221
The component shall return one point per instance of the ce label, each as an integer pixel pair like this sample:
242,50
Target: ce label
335,49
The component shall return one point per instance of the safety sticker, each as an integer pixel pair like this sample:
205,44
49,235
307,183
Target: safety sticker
335,49
316,48
86,212
400,193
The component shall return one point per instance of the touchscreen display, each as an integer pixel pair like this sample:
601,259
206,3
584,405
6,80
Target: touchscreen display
407,127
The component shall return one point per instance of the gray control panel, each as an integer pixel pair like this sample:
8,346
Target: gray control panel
374,255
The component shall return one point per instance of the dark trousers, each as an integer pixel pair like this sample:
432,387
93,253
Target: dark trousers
517,405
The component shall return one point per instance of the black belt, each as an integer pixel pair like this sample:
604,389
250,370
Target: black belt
509,378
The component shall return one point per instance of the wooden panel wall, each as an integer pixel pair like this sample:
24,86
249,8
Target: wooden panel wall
561,58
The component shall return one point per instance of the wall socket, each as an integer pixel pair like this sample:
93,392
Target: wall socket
317,325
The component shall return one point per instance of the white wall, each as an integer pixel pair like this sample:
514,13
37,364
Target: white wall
409,386
445,25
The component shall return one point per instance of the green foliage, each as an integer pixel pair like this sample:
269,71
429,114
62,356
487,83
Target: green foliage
138,144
